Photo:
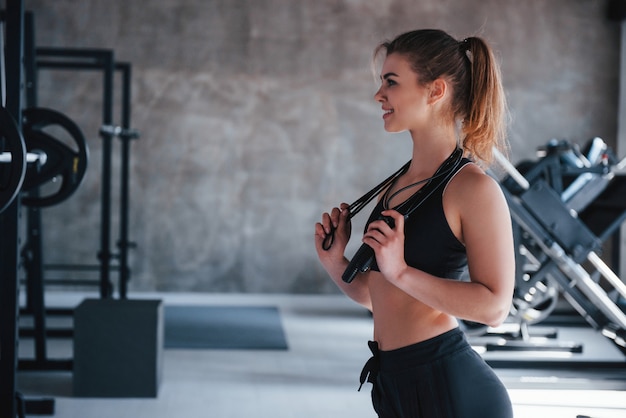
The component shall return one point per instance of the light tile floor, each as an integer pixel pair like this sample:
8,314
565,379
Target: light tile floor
316,377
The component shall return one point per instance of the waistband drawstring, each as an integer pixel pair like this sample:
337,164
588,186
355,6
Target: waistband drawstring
371,368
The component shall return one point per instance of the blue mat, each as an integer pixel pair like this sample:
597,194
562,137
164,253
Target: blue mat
223,327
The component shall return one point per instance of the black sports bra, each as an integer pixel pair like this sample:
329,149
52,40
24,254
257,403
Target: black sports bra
430,244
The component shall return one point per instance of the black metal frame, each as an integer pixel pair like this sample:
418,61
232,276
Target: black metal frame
126,136
79,59
32,252
101,60
11,402
19,50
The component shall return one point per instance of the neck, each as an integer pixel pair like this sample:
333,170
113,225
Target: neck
430,150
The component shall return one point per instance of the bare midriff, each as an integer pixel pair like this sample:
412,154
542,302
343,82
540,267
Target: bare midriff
401,320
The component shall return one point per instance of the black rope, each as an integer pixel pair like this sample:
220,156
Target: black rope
446,167
364,257
361,202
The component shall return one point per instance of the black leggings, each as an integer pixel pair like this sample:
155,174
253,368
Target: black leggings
442,377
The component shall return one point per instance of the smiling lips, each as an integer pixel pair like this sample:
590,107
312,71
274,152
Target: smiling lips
387,113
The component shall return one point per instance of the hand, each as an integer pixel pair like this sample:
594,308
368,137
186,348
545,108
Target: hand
333,232
387,241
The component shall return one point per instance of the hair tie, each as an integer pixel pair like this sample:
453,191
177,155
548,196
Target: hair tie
464,46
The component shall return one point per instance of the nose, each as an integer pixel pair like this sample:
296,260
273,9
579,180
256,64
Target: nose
378,96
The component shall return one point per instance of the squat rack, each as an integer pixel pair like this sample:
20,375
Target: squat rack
37,59
19,50
78,59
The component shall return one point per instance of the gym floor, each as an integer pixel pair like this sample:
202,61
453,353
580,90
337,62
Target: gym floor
316,377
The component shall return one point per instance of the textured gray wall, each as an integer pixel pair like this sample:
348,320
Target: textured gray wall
257,115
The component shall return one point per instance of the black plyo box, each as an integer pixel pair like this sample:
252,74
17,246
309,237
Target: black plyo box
118,348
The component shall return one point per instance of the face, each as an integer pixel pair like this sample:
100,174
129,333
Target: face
404,101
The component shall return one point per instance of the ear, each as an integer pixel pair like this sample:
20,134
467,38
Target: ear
437,91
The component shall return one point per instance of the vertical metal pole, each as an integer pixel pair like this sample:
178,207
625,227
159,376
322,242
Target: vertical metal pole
30,60
35,279
123,243
9,240
34,231
105,226
619,240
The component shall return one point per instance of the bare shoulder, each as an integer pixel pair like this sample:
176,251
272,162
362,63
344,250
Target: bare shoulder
472,185
473,201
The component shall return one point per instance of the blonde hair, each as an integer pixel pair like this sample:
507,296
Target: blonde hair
471,69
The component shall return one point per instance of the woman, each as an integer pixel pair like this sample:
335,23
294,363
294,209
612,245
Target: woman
448,95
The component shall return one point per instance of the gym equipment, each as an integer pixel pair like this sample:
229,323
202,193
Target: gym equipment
48,159
563,208
12,159
103,60
118,348
24,167
70,160
62,153
12,403
34,158
32,174
64,162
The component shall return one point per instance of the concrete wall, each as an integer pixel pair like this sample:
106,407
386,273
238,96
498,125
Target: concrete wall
256,116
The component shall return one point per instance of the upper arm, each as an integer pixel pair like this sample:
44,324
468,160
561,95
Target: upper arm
486,231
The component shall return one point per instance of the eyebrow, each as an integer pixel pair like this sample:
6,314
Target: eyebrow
386,76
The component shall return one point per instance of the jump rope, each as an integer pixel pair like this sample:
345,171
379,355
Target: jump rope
364,257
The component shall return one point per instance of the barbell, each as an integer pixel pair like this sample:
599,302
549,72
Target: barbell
12,174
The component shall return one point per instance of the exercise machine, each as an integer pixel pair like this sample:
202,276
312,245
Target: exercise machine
564,207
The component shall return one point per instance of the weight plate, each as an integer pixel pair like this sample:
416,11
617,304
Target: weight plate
64,163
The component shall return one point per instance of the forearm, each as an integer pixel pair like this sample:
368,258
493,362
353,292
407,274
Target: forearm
465,300
358,290
337,224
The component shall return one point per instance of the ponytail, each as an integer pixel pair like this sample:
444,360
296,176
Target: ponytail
484,125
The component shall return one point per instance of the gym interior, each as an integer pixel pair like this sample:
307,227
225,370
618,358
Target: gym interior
163,163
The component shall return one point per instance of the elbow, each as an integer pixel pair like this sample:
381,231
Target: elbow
492,318
496,322
496,317
497,307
